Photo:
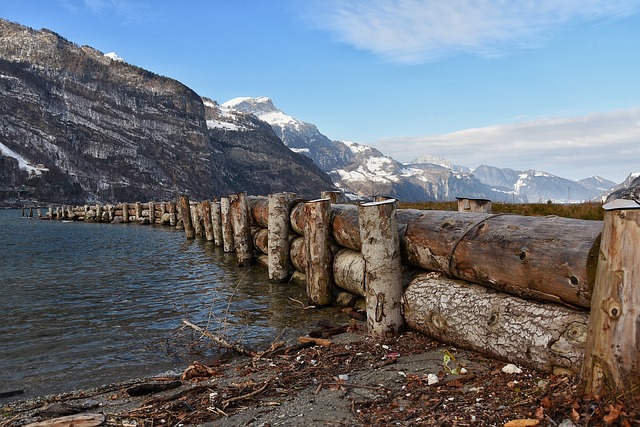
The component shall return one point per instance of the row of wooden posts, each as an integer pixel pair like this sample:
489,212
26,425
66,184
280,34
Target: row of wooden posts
546,292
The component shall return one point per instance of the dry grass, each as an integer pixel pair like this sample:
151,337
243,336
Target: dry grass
587,210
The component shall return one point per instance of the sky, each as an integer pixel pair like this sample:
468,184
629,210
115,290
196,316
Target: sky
550,85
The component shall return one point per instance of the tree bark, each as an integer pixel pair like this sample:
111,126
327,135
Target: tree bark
299,254
196,218
216,220
542,336
259,208
125,212
227,225
318,251
349,271
474,205
206,217
279,265
612,360
185,213
383,269
241,231
261,239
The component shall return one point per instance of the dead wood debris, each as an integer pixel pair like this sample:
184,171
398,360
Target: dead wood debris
272,377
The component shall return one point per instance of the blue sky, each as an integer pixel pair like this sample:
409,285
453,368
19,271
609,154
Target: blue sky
551,85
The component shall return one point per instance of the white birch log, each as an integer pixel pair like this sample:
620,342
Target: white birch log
317,231
543,336
612,359
348,271
241,232
383,269
279,264
227,225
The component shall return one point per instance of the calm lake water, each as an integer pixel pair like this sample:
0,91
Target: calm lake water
90,304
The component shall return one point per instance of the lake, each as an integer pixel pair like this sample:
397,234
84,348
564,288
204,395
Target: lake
87,304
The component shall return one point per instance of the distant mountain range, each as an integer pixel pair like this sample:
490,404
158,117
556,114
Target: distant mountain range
81,126
363,171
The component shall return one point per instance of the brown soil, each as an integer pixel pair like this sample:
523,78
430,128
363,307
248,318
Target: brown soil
355,381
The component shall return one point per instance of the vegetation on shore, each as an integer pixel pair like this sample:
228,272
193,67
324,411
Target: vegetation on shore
587,210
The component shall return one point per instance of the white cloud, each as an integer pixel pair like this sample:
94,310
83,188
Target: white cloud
605,144
415,31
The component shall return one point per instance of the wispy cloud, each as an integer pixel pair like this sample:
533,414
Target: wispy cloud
606,144
415,31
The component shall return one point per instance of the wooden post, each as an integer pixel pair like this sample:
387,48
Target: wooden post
196,219
173,220
152,213
138,214
317,214
227,225
336,197
279,263
125,212
611,366
241,231
31,212
466,204
206,217
216,220
185,210
383,269
98,212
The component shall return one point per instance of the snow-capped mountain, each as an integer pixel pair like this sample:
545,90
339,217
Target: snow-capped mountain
364,171
629,189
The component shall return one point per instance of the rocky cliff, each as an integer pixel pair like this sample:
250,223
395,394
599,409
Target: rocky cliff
104,130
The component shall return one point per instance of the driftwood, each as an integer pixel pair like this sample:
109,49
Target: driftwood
221,341
542,336
77,420
383,269
611,364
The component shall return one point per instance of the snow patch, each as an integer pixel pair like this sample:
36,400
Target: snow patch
114,57
22,162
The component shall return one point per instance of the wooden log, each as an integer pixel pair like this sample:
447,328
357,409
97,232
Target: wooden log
206,219
612,360
76,420
259,208
125,212
543,336
318,251
196,218
543,258
336,197
348,271
152,212
466,204
298,278
345,226
241,231
297,218
383,269
138,213
185,213
298,254
216,222
279,265
261,239
173,214
227,225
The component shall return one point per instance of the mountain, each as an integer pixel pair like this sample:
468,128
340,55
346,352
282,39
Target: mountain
79,126
629,189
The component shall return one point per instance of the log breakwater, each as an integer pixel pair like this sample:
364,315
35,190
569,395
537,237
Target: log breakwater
512,287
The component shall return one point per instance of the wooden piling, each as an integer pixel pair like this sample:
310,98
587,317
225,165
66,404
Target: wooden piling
611,366
279,260
125,212
383,268
227,225
185,211
317,214
216,222
206,217
196,218
241,232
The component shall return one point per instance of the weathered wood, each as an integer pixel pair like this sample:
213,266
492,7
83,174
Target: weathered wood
383,269
543,336
279,265
138,214
348,271
227,225
296,218
173,214
185,213
125,212
259,208
196,218
206,218
76,420
336,197
548,259
473,205
612,361
345,226
298,254
221,341
241,231
318,251
261,239
216,222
